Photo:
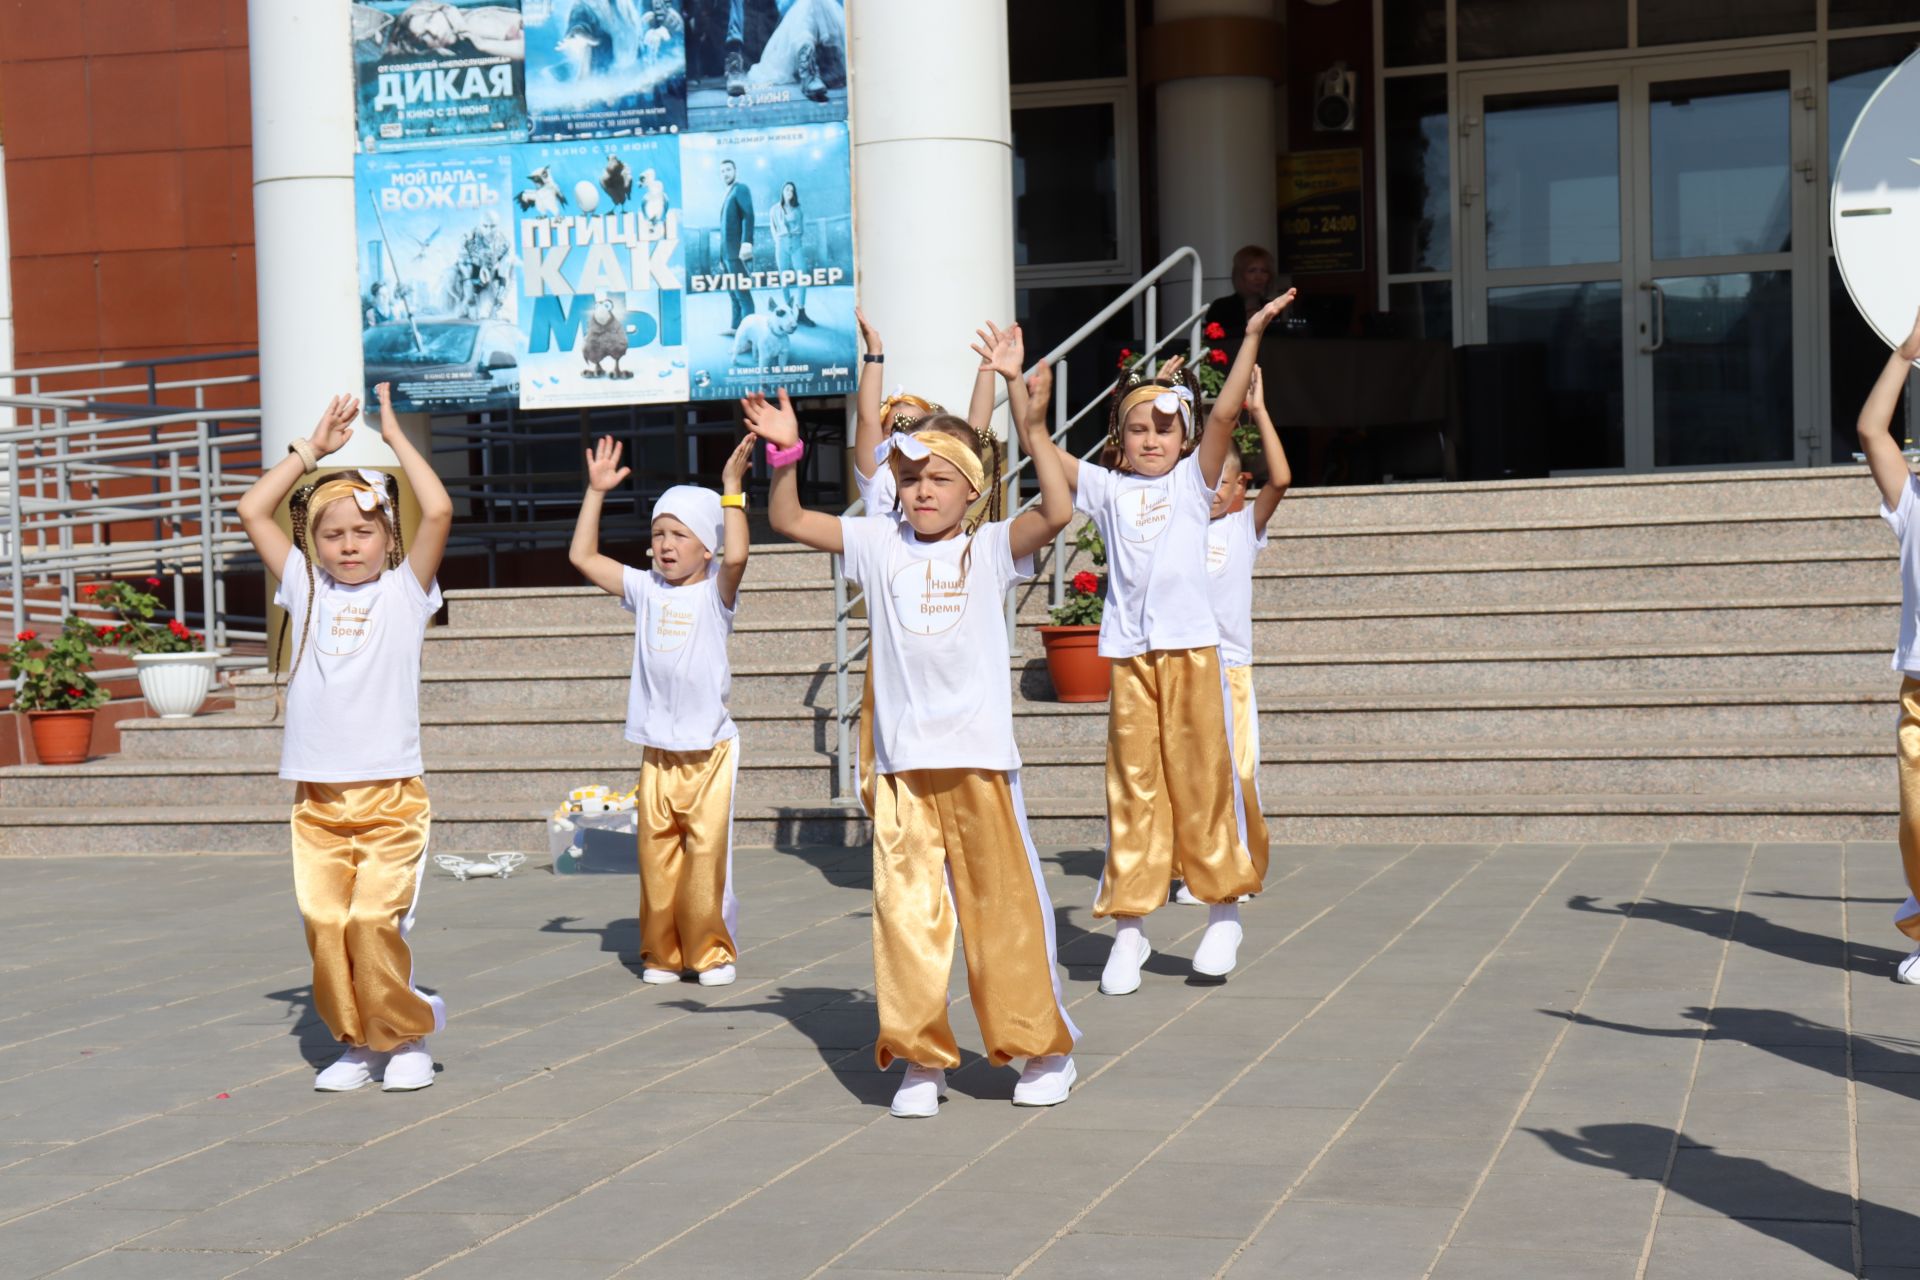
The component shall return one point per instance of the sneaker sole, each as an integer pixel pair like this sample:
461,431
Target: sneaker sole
1073,1076
720,982
1107,991
1907,976
406,1088
342,1088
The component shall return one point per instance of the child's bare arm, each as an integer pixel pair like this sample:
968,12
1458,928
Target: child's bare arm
258,505
733,561
429,542
1279,473
1226,408
1884,456
604,473
1034,529
868,430
775,423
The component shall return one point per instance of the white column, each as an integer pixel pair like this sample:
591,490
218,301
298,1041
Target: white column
933,184
1216,157
300,59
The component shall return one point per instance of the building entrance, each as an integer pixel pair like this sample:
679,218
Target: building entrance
1652,227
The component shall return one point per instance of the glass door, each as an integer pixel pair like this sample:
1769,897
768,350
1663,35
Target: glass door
1634,234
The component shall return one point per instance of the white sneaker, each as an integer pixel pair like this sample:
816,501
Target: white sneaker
659,977
1184,896
409,1067
356,1067
1121,977
1909,970
920,1093
718,976
1219,949
1045,1081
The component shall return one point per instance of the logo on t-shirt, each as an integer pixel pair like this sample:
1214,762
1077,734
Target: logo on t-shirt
345,628
929,597
668,625
1144,513
1219,546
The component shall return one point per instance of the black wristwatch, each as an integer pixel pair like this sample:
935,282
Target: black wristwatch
874,358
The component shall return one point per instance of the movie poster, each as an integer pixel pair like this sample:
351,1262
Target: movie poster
605,68
434,72
752,64
438,289
602,273
769,253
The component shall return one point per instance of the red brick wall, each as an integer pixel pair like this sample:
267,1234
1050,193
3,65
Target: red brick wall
128,178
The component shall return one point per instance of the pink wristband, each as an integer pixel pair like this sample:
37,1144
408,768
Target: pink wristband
786,457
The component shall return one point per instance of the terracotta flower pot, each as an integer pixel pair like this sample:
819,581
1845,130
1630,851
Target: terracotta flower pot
1074,664
61,737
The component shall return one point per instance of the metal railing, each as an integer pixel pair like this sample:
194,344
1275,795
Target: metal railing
847,598
100,487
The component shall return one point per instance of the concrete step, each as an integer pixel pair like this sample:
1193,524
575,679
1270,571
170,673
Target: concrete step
1620,717
1524,542
1847,487
1489,626
1056,820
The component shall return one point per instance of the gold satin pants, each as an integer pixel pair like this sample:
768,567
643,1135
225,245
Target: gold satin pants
687,909
951,849
864,765
1246,763
358,850
1910,800
1173,792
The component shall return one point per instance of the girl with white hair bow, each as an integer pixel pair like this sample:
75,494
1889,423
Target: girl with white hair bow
677,708
1173,793
360,599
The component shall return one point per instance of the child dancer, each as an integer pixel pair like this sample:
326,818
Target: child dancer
950,842
1236,536
1172,792
677,708
874,419
1900,494
360,601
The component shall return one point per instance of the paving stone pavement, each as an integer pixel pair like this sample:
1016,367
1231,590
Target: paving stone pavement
1476,1061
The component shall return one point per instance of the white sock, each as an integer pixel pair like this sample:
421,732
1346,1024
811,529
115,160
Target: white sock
1124,925
1223,911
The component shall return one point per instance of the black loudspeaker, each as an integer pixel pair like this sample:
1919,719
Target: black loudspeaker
1504,410
1334,100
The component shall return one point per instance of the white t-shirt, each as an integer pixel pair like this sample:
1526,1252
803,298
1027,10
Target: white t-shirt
353,703
880,491
1232,544
677,699
1906,657
1156,536
942,678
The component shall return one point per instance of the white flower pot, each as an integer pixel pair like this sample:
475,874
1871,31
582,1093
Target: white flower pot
175,684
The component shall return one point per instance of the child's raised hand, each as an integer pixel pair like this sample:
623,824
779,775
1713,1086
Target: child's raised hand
335,425
776,424
1257,322
734,474
1256,393
604,471
869,336
1002,350
1039,393
1170,370
1910,349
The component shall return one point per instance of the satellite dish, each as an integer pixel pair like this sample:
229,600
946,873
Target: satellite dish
1876,206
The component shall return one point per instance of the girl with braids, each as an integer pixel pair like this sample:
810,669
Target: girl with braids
876,417
1172,790
950,842
360,601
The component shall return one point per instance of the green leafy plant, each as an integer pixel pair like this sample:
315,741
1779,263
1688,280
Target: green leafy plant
137,632
1086,591
53,677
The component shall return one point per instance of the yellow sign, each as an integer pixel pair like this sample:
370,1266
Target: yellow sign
1322,229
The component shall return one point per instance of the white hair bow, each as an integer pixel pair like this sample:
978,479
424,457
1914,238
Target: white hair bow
366,501
1178,398
905,443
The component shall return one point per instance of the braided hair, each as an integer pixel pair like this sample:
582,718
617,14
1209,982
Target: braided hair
1113,454
299,517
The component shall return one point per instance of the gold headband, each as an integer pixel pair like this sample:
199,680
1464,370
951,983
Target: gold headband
1151,392
898,398
343,487
940,444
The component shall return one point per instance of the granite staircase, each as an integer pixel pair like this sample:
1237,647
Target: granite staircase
1685,657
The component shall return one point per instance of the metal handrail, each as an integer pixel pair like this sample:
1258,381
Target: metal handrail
847,597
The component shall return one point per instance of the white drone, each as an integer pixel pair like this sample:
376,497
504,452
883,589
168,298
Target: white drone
497,865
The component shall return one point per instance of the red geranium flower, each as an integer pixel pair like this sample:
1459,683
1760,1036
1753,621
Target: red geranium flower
103,633
153,582
88,590
1126,354
1216,356
176,626
27,635
75,693
1214,331
1085,583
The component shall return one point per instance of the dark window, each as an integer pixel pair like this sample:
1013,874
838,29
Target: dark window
1526,28
1678,21
1415,32
1065,40
1065,185
1419,199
